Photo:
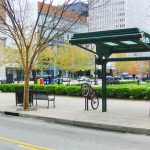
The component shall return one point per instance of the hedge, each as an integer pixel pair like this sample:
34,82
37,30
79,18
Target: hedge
122,82
148,81
113,91
128,81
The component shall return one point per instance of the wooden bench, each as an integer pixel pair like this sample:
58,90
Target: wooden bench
43,95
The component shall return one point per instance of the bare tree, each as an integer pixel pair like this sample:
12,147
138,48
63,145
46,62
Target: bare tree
33,37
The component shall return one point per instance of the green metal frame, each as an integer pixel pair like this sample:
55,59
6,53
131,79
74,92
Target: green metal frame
110,42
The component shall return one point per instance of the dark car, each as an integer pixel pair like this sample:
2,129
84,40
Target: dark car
117,78
144,78
109,78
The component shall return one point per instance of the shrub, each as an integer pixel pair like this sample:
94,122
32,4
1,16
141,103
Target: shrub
122,92
128,81
147,93
147,81
113,91
98,91
118,92
10,87
60,90
73,91
138,92
111,82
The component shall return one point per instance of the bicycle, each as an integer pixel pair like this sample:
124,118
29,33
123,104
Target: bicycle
90,94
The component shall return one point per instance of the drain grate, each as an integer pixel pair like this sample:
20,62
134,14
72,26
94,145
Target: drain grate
11,113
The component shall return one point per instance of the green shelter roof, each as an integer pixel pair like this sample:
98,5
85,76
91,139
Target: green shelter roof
116,41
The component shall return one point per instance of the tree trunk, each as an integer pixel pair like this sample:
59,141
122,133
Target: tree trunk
26,91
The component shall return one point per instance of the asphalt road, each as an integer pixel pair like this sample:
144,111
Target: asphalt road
30,134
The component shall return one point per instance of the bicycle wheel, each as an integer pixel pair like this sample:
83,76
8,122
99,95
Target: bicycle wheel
95,102
85,89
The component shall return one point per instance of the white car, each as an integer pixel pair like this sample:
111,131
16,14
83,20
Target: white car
2,80
66,79
83,78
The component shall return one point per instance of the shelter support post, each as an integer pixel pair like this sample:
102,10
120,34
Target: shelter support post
104,101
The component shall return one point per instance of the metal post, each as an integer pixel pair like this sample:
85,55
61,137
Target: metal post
104,101
86,103
95,72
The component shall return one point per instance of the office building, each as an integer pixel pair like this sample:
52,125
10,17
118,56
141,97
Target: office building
79,7
118,14
68,18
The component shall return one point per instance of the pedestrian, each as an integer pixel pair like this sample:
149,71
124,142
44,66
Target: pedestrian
134,76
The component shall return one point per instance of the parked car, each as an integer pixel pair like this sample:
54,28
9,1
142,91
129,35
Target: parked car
2,80
84,78
145,78
109,78
130,77
125,75
66,79
117,78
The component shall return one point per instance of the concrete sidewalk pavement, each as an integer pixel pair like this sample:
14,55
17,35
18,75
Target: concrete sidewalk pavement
122,115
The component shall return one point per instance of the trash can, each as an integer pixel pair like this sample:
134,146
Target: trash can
19,96
46,81
37,81
41,81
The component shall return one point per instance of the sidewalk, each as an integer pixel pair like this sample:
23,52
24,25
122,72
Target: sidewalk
122,115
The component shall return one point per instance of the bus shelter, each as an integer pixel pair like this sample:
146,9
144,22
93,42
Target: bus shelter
110,42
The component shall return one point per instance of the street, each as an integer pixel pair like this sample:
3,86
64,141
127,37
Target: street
30,134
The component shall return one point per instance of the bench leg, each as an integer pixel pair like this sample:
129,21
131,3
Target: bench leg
36,102
48,104
54,102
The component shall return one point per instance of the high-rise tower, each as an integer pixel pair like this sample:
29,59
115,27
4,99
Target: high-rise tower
118,14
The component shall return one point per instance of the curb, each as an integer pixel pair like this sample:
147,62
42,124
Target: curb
82,124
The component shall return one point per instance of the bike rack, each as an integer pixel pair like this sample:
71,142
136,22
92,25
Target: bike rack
86,103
